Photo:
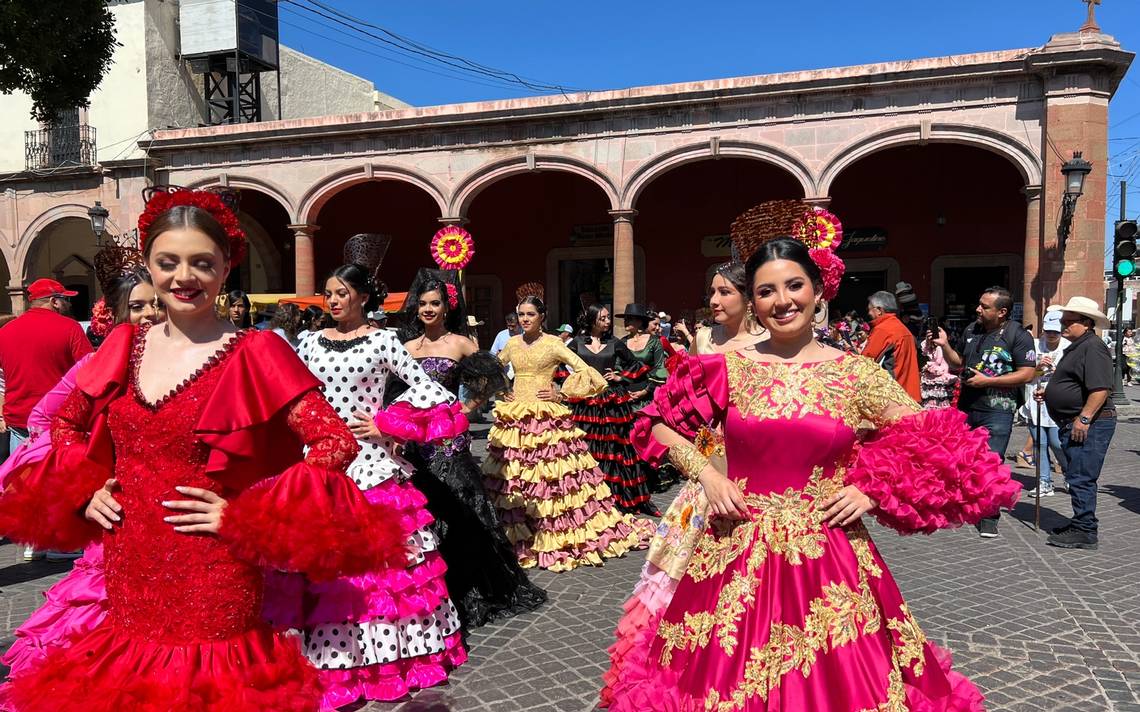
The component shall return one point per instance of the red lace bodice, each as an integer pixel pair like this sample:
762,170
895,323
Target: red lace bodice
164,585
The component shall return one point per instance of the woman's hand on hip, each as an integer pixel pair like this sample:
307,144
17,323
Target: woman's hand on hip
103,509
724,495
205,511
846,506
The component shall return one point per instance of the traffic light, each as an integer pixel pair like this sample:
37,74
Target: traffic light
1124,249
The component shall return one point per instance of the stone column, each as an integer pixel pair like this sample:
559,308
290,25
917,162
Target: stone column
625,279
305,271
1034,264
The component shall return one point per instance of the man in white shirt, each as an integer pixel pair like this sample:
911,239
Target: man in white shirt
1050,347
503,336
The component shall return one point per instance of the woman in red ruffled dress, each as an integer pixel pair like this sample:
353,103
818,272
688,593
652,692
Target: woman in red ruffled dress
181,448
786,603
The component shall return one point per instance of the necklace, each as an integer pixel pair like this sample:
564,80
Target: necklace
424,338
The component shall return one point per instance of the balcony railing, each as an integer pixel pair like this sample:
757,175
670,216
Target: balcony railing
59,146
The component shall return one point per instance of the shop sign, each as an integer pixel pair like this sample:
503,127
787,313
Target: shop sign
716,246
863,238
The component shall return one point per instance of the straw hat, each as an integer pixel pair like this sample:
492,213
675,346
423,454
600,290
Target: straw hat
473,322
1085,307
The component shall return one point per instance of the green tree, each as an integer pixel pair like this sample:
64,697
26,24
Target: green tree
56,51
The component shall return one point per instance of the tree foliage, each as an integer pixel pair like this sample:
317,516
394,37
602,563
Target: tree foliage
56,51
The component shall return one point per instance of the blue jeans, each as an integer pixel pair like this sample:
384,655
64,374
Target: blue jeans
1083,470
1050,443
1000,427
15,440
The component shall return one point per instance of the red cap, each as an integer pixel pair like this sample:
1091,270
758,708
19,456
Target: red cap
44,288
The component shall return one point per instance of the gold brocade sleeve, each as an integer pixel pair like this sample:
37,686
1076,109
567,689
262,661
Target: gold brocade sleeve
585,381
880,399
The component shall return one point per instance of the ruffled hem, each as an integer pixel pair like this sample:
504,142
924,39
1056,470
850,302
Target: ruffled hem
107,671
552,507
930,471
422,425
537,411
391,681
74,607
547,471
609,534
502,438
651,596
561,524
545,453
387,594
543,489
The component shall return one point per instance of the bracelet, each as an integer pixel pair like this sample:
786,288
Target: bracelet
686,458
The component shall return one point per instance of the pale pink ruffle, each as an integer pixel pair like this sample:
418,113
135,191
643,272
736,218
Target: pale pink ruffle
530,425
391,681
651,596
74,607
567,521
547,559
930,471
546,489
546,453
406,422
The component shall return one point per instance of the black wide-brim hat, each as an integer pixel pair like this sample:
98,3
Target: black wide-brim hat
635,311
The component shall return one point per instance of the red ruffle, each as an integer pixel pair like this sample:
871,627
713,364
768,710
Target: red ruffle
106,671
406,422
696,394
313,521
44,501
930,471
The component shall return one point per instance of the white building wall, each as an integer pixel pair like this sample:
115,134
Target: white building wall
312,88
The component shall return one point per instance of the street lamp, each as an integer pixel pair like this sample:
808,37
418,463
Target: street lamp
1074,171
98,215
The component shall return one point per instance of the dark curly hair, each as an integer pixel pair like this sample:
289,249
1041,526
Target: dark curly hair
588,318
432,280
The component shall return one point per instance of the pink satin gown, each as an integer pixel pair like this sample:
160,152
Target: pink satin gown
780,611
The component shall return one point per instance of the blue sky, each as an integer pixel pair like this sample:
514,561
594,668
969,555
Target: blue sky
594,44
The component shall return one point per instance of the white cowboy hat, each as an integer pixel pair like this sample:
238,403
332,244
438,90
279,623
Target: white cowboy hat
472,321
1085,307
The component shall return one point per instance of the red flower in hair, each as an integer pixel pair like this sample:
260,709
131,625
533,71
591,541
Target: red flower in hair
160,202
452,296
102,320
832,269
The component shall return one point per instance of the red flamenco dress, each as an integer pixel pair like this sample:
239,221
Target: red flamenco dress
780,611
184,630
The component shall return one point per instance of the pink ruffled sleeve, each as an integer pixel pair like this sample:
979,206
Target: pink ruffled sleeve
404,421
928,470
695,395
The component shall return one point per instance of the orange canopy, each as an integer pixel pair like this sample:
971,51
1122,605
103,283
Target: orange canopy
393,303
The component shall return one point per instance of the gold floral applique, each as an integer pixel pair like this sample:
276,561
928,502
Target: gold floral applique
910,648
692,633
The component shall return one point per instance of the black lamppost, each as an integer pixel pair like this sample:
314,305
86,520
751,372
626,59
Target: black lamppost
1074,171
98,215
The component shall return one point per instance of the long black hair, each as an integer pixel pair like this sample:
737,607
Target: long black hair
433,280
588,318
362,281
782,248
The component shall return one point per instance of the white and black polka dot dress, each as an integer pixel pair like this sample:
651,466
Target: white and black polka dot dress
355,373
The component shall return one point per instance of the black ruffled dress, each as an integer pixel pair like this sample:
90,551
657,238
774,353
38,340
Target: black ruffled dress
483,577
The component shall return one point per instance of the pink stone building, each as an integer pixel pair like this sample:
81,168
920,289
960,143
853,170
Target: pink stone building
948,170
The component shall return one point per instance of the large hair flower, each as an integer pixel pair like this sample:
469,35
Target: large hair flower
831,267
102,320
452,296
159,201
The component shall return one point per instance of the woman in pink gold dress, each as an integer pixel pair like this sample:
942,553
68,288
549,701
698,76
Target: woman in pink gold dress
786,603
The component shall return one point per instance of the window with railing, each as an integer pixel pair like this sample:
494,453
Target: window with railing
67,142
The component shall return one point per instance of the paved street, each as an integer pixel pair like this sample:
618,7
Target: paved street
1037,628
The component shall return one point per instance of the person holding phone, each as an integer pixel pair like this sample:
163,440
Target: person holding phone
997,358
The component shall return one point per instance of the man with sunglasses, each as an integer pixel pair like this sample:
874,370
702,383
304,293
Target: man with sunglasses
1077,400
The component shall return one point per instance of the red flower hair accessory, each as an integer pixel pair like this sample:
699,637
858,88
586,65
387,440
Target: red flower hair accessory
161,199
102,320
452,296
815,227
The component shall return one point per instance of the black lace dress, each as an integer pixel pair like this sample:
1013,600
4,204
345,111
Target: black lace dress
483,575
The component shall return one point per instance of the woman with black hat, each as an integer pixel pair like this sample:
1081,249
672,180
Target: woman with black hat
651,373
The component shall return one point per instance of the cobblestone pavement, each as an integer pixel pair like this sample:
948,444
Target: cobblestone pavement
1036,628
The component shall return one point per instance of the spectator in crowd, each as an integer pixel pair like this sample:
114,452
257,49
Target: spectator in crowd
265,317
566,333
473,325
288,322
997,358
36,350
891,344
1050,348
910,313
238,309
503,336
1077,399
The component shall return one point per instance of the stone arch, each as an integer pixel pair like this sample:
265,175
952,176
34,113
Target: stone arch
1023,158
314,199
21,259
273,190
473,184
710,150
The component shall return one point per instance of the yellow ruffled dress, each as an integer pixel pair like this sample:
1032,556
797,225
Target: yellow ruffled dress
552,497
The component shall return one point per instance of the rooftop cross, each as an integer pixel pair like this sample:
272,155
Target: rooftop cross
1090,24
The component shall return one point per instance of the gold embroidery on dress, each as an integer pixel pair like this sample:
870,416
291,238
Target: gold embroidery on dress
911,644
853,389
836,618
693,631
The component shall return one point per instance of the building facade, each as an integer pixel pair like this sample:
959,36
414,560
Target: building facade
946,173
